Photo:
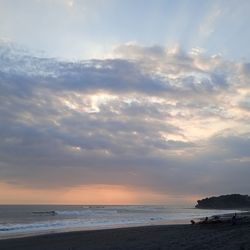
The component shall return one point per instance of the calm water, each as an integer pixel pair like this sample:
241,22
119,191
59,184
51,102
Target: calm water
23,220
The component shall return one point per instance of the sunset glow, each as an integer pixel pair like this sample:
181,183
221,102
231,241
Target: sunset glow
92,194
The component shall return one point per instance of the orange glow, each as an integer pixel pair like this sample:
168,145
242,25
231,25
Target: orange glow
112,194
11,194
91,194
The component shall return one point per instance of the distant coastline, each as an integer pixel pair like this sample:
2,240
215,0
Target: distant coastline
230,201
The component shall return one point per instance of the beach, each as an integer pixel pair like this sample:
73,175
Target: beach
166,237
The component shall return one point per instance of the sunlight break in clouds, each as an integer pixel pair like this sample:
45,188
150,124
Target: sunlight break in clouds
149,118
71,3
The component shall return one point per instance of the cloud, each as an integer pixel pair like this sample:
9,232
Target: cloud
150,117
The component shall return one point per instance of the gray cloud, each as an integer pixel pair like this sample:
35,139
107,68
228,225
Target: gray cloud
149,117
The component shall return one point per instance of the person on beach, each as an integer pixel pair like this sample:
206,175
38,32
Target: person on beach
205,221
234,220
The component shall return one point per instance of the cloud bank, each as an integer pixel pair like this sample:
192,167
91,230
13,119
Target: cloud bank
171,121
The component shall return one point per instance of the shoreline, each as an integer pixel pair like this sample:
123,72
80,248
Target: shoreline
87,229
158,237
187,221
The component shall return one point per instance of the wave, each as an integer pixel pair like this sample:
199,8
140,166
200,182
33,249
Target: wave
85,212
30,226
45,213
65,225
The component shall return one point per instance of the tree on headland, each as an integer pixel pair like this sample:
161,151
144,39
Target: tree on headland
230,201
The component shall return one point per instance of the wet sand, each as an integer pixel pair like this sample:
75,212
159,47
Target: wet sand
221,236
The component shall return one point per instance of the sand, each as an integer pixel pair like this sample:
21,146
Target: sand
221,236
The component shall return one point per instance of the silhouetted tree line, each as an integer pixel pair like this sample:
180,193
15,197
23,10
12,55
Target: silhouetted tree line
225,202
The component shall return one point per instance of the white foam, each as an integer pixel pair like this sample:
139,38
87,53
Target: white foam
85,212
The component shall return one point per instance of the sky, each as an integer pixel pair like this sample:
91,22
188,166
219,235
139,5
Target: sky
123,102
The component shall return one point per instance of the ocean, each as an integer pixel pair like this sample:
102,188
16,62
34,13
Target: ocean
27,220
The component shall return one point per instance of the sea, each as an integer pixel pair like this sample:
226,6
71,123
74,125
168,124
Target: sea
27,220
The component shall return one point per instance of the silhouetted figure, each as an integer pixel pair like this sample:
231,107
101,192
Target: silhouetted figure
234,219
192,222
206,220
